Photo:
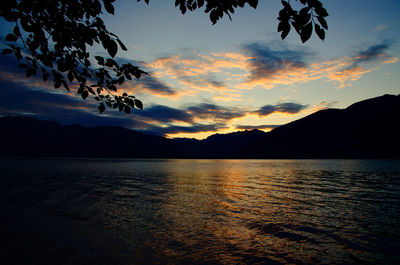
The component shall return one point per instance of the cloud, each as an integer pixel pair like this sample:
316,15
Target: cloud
201,117
201,113
194,128
17,99
269,67
31,96
147,84
288,107
163,114
380,27
153,86
353,68
212,112
225,74
258,127
324,105
203,83
349,74
371,54
20,98
206,117
195,73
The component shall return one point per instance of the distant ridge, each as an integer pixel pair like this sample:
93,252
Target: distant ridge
366,129
26,136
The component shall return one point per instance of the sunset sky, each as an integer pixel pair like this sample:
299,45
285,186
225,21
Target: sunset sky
235,75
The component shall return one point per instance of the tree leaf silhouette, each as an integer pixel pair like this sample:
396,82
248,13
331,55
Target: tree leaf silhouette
50,38
306,32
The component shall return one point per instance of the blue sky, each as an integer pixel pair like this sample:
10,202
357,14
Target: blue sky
234,75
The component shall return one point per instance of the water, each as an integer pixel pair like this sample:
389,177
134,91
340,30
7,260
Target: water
116,211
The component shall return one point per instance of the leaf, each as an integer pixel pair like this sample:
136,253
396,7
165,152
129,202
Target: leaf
91,90
128,76
131,103
105,40
16,31
96,6
102,108
85,94
285,3
306,32
123,47
127,109
100,60
11,37
45,76
112,88
7,51
253,3
65,84
321,11
322,21
28,73
57,84
121,80
111,63
18,53
183,9
296,27
280,26
112,48
285,28
304,11
137,73
70,76
109,7
138,104
320,32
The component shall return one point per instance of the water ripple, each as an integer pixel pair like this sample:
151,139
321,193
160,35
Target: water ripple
121,211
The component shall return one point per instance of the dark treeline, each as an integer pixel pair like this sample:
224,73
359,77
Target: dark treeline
366,129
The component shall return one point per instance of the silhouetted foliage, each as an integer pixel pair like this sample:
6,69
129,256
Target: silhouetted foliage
50,38
312,15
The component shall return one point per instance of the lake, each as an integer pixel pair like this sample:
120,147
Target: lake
126,211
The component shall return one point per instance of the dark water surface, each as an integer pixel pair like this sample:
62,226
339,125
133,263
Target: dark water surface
121,211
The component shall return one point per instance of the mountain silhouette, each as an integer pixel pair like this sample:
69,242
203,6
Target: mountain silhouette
26,136
366,129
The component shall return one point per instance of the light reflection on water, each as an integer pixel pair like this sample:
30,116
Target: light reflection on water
121,211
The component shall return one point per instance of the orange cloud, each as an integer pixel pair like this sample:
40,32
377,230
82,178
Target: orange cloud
350,74
380,27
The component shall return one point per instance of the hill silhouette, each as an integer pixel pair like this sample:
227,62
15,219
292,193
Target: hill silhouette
26,136
366,129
